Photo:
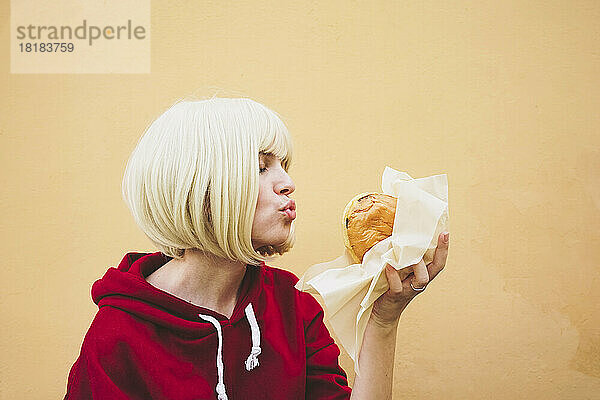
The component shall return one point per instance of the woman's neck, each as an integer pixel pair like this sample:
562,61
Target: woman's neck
202,279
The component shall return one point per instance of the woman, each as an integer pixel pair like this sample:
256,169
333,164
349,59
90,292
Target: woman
205,317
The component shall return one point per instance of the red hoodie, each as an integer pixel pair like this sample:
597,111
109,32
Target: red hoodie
145,343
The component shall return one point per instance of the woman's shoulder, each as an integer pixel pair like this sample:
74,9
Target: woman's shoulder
285,281
280,275
112,325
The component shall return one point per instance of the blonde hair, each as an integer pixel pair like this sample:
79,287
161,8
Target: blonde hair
192,181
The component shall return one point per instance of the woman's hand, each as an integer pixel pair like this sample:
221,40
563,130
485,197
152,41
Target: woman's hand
388,307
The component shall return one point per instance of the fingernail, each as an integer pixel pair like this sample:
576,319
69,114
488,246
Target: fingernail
446,237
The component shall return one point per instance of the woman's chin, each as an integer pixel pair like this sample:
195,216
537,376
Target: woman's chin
273,242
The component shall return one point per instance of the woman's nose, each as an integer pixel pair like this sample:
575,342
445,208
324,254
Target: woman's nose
287,187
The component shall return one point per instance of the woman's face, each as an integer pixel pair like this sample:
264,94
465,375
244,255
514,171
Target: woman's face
271,226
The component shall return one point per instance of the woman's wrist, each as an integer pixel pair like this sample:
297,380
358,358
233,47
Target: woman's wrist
382,328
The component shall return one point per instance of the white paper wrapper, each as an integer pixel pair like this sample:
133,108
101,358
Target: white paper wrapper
349,290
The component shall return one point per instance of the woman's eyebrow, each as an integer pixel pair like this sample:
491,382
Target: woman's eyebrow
266,156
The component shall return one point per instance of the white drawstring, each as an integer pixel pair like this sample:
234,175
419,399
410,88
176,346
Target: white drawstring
222,395
252,360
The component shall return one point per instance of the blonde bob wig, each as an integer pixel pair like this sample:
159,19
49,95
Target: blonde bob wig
192,181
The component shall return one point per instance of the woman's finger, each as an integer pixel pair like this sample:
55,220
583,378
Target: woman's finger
393,279
421,278
439,257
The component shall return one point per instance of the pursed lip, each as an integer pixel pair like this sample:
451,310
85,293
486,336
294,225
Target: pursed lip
289,205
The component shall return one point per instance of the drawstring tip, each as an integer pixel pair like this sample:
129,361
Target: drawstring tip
252,361
221,392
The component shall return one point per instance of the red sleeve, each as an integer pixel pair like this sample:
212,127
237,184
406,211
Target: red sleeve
325,378
101,371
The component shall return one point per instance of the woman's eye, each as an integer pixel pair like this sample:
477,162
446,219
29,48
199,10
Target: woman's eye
261,170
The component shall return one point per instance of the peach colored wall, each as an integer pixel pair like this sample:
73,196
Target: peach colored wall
501,96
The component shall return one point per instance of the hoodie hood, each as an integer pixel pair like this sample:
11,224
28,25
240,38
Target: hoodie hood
125,287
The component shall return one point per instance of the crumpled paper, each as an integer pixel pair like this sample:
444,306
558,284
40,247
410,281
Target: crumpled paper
348,289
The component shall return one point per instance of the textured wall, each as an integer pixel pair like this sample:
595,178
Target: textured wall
501,96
